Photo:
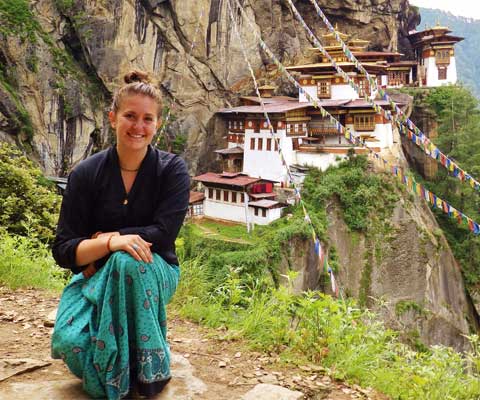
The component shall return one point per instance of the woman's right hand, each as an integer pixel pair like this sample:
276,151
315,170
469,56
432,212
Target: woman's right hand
133,245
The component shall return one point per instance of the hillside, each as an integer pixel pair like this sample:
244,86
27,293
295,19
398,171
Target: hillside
467,56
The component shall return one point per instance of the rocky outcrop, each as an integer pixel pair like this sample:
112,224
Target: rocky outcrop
407,273
61,83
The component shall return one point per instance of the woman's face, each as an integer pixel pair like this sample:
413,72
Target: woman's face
135,122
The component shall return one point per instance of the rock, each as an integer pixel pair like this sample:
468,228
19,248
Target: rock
49,321
184,385
272,379
15,366
271,392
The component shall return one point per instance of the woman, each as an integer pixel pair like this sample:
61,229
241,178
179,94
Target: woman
120,215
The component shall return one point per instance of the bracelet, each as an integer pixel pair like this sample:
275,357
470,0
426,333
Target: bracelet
108,243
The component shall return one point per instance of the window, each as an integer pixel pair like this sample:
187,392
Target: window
234,197
210,193
225,195
242,198
264,212
256,211
323,89
442,73
362,87
364,122
198,209
269,144
276,145
260,144
217,194
252,143
442,56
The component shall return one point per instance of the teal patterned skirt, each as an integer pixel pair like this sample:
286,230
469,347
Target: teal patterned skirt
111,329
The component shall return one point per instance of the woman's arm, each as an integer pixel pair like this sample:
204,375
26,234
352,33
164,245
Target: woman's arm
91,250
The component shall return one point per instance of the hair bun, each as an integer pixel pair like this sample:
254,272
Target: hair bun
136,76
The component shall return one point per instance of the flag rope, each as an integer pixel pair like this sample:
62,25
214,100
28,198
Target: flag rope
418,137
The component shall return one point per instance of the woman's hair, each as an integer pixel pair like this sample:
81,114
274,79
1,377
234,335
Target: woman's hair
137,82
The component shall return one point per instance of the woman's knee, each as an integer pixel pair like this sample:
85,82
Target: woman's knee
124,263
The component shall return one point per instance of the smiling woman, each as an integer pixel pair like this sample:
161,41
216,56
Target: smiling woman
121,213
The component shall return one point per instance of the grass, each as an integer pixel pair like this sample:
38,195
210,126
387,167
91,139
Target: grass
28,263
349,342
223,230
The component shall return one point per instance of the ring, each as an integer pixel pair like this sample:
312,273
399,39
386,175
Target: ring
135,247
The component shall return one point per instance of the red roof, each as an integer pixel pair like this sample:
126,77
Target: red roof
363,103
402,63
232,179
269,100
271,108
230,150
264,203
196,197
375,53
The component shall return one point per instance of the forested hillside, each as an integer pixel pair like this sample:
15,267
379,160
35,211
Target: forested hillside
467,56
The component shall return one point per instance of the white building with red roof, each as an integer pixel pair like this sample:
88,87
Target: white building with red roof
240,198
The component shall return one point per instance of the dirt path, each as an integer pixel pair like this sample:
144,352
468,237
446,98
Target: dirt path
203,367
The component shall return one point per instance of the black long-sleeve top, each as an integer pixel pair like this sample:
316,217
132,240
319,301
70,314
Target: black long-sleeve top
95,200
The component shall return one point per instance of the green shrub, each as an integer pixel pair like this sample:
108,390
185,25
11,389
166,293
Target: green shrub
28,204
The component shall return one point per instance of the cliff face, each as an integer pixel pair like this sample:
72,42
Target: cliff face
56,85
407,272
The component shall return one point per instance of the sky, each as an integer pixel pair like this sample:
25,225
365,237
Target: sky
464,8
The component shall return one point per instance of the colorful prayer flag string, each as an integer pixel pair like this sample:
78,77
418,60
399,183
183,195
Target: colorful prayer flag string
423,140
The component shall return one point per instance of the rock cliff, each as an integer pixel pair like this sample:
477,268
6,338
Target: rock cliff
407,272
57,76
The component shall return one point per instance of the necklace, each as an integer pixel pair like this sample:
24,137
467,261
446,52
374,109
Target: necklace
129,170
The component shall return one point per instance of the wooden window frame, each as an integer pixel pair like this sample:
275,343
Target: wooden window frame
252,143
210,193
442,57
442,73
324,89
264,213
226,196
364,122
218,194
269,144
242,198
255,211
234,197
260,144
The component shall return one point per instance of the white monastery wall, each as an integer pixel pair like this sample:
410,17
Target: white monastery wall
432,72
222,210
311,90
271,215
263,163
383,133
333,140
343,92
